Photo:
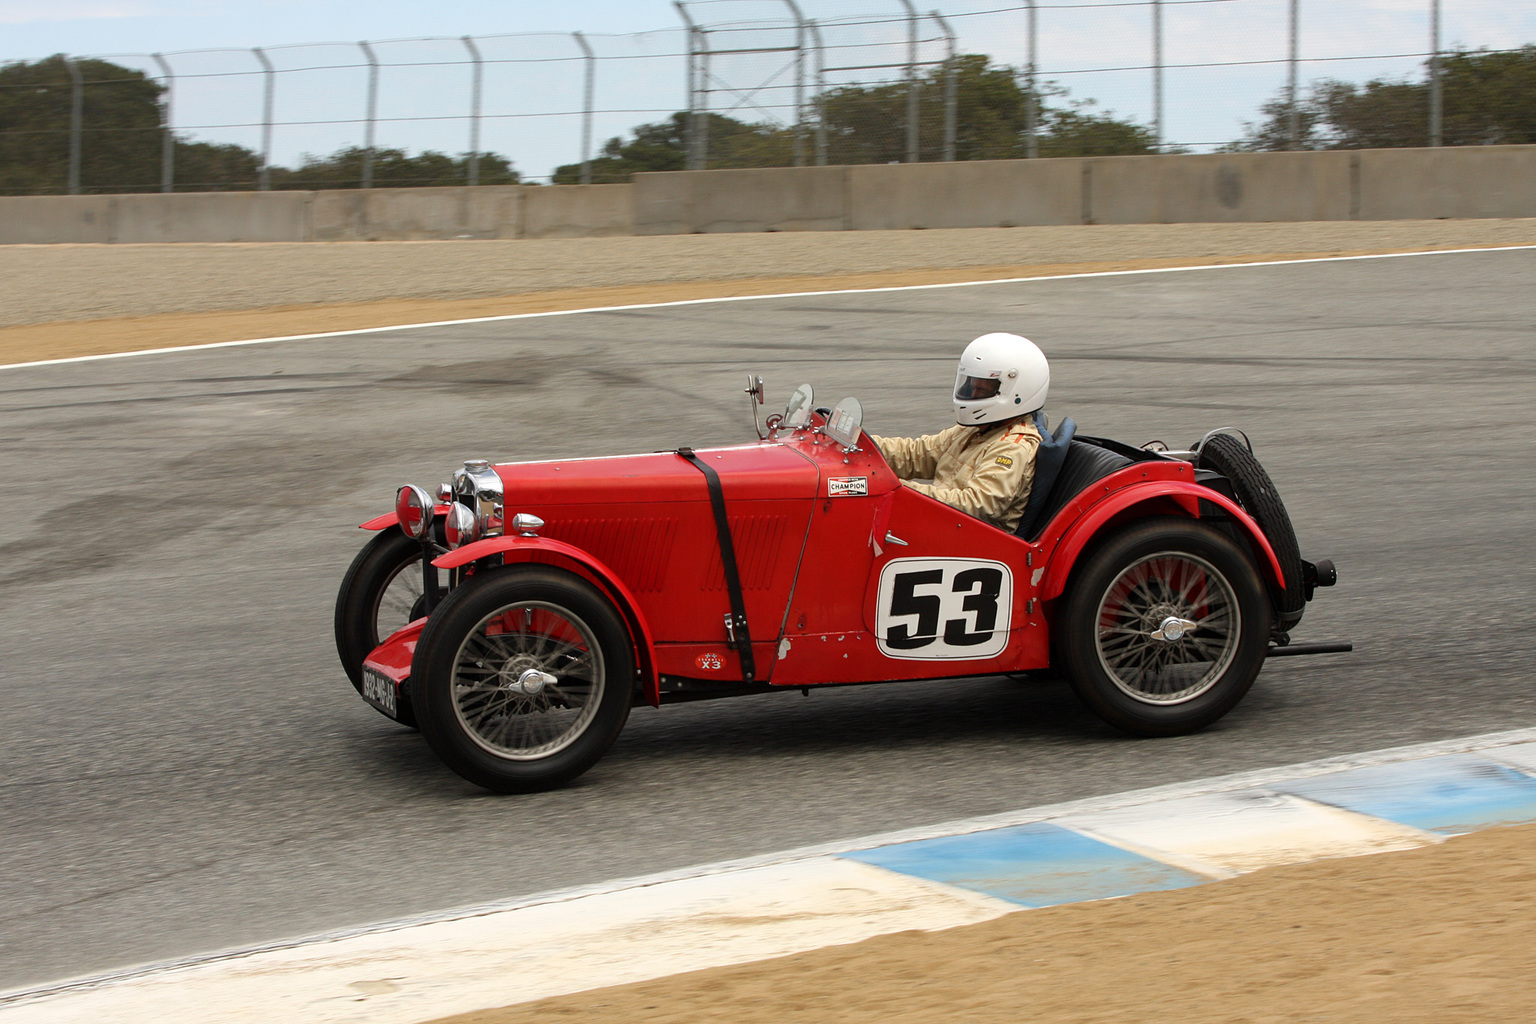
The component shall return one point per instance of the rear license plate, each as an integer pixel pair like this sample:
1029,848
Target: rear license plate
379,690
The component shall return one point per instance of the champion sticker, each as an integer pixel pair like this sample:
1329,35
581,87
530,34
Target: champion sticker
844,486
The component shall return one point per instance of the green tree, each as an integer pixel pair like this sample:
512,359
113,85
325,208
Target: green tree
121,120
1488,97
214,167
663,147
866,124
392,168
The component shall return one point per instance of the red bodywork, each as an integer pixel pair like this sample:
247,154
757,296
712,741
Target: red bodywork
831,594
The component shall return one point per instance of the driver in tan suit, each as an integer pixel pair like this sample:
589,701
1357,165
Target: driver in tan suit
985,464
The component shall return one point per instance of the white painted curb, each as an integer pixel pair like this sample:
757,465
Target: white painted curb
404,972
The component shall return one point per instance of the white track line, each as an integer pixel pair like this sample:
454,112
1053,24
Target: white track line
738,298
1199,787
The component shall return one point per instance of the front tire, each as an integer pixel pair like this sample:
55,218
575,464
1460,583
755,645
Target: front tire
381,592
522,678
1164,627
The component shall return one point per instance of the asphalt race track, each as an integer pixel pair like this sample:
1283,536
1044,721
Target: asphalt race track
186,768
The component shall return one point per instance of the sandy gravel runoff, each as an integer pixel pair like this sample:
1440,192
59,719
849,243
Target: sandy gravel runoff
1438,934
58,301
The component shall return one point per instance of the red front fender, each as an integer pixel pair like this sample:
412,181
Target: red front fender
389,519
553,552
1185,495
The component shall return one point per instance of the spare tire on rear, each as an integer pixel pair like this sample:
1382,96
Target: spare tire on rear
1229,456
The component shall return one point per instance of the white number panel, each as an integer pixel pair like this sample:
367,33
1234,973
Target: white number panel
943,609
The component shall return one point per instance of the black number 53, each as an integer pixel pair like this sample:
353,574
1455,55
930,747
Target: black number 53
955,606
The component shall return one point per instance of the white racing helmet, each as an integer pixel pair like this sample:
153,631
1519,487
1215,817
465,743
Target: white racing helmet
1001,376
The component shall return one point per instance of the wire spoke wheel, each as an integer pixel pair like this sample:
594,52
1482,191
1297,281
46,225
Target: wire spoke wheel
400,601
523,678
511,713
1163,626
1167,628
381,592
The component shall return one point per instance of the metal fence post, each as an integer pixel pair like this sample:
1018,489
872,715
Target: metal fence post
951,98
1436,100
589,87
76,122
472,164
1293,112
821,89
696,142
794,9
912,155
1032,103
1157,76
264,179
168,141
371,115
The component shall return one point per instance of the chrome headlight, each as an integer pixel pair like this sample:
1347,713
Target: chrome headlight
413,508
460,527
477,488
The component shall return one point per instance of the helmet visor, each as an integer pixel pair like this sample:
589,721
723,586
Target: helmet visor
969,389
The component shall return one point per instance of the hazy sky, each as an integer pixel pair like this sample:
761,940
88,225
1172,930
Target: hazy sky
528,107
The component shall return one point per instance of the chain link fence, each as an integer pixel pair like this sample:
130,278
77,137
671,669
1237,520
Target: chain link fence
736,83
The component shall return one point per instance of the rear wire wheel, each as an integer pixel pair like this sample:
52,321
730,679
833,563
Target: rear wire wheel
1164,627
522,678
1256,492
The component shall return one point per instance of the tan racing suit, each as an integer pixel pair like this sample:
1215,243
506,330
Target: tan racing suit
983,471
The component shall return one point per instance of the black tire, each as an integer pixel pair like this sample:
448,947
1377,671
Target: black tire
478,650
380,593
1109,632
1256,492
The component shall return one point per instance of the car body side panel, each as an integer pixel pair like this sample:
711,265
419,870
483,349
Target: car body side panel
836,641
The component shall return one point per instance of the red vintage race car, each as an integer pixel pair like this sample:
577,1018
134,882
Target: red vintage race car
518,617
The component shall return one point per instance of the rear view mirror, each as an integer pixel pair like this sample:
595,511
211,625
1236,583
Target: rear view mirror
755,396
846,422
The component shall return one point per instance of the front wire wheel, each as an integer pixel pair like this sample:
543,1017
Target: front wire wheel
1165,627
522,678
528,680
382,591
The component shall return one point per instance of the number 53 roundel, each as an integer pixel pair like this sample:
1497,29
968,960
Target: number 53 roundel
943,609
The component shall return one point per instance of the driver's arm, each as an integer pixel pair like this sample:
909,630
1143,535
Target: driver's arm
1001,479
915,457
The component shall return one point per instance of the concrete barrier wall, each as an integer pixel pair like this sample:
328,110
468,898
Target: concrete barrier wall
1217,188
750,199
983,193
1401,184
1467,181
578,211
413,214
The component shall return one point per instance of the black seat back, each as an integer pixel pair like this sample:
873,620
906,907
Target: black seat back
1085,463
1049,458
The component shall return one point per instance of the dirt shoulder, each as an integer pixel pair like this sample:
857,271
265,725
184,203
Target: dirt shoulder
79,300
1435,934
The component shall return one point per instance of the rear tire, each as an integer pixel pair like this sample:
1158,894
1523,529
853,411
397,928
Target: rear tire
1257,494
505,630
1164,627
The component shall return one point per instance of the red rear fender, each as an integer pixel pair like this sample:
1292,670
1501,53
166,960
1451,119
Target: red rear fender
1137,501
516,550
